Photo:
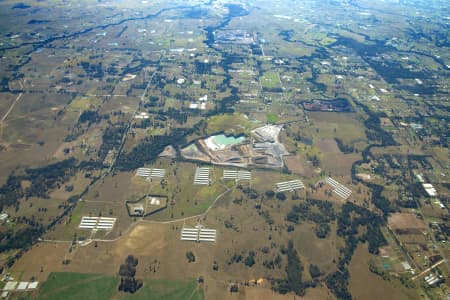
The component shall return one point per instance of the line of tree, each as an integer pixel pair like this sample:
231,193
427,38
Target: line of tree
112,137
294,272
42,180
350,220
374,131
344,148
20,239
147,150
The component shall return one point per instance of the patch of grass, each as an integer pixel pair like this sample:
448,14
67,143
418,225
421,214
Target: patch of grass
156,131
97,286
270,80
78,286
76,215
230,123
341,125
84,103
309,151
168,289
188,199
202,196
441,154
327,41
272,118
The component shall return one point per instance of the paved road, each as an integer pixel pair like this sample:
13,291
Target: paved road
428,269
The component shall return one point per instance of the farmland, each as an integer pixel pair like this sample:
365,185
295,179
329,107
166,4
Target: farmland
94,286
307,142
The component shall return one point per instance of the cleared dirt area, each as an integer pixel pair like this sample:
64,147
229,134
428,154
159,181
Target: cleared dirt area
266,293
338,163
295,165
402,221
328,145
143,241
38,263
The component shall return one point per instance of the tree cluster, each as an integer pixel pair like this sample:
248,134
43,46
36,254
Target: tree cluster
127,271
190,257
94,70
89,116
317,211
147,151
344,148
374,131
112,137
351,218
294,271
42,179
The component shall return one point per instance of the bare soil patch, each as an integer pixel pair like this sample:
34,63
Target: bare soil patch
328,145
338,164
404,221
295,165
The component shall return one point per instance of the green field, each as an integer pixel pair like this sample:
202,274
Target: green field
84,103
230,123
270,80
98,287
272,118
78,286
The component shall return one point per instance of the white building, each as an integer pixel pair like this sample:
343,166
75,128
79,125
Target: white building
3,217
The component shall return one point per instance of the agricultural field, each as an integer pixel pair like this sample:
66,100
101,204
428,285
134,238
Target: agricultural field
94,286
76,286
224,149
